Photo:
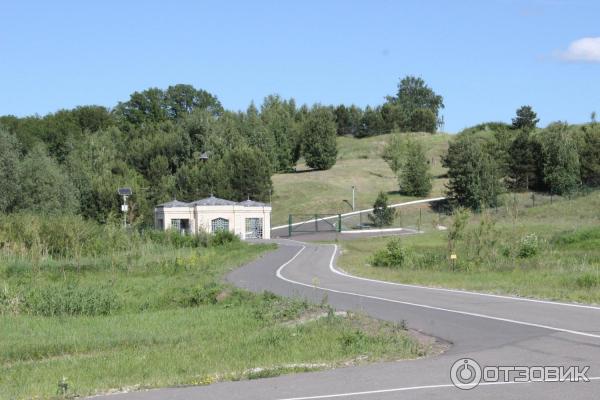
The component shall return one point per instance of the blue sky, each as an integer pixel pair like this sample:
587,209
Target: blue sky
485,57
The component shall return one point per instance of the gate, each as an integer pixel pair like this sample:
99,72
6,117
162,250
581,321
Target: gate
310,223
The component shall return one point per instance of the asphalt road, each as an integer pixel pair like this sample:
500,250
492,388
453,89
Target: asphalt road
493,330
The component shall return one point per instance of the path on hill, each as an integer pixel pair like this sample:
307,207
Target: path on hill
493,330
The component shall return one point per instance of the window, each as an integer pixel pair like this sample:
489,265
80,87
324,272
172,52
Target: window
159,224
176,224
219,224
254,228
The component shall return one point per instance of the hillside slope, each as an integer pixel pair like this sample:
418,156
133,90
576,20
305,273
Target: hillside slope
360,164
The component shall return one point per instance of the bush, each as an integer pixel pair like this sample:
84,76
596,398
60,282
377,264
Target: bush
528,246
393,255
222,237
57,300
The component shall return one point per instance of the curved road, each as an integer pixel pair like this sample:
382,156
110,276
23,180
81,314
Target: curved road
493,330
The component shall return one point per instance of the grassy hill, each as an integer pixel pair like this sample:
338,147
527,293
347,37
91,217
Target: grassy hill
360,164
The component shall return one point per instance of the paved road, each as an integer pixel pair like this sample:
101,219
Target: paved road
493,330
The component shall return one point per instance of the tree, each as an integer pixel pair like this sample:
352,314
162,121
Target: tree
10,169
348,120
589,156
474,179
181,100
249,173
418,106
319,143
278,117
382,214
415,179
526,119
394,152
561,161
44,186
521,164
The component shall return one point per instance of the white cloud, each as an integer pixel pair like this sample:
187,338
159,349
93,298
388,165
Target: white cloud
584,49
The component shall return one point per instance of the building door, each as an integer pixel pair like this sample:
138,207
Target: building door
254,228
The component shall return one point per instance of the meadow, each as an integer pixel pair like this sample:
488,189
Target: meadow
88,309
548,250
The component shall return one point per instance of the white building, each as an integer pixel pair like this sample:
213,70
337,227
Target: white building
247,219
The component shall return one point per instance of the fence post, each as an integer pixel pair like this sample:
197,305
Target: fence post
419,220
290,225
339,222
316,223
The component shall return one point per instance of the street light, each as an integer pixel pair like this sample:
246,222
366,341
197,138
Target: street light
125,193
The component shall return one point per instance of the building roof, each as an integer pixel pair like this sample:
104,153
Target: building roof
213,201
173,203
252,203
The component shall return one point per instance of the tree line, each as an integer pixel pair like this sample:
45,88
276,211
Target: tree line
180,143
488,159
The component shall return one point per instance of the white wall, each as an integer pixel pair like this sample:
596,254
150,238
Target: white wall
201,217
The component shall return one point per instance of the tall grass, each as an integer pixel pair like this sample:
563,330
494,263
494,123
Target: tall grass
125,309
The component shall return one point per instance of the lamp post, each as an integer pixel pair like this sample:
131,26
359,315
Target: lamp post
125,193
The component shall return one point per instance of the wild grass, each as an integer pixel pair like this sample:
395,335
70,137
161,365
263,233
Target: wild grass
549,251
154,312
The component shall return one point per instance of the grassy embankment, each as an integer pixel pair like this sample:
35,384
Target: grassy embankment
550,251
110,311
360,164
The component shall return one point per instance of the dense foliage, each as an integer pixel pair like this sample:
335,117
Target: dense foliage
179,142
485,160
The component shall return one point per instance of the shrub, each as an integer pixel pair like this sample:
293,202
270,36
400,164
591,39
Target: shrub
222,237
393,255
528,246
57,300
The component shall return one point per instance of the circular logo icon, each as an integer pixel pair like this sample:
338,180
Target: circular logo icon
465,373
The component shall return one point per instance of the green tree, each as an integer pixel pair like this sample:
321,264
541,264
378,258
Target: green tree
526,119
418,106
319,143
394,152
10,170
522,163
473,175
415,179
589,155
382,214
44,186
181,100
249,173
278,117
561,161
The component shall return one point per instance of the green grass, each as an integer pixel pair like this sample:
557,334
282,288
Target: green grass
566,266
159,314
360,164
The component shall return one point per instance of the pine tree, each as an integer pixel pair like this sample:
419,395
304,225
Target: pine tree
382,214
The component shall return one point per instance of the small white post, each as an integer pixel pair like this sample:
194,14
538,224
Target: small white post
353,190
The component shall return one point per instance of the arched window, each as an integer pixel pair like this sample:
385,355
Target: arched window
220,224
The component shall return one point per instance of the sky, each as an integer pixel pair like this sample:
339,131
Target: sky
486,58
